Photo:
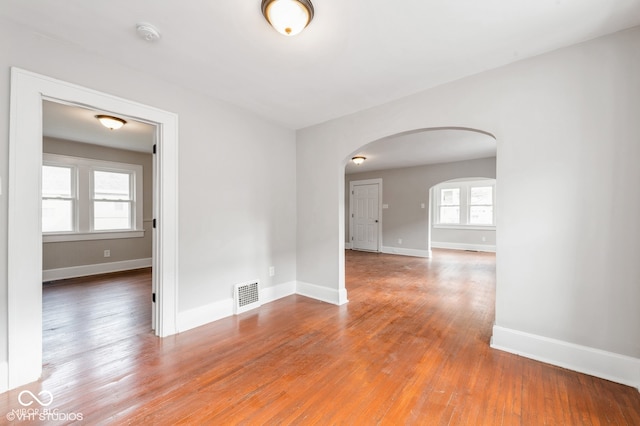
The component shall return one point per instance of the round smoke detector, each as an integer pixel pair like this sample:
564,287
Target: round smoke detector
147,31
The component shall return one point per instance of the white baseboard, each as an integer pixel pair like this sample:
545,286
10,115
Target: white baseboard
406,251
324,294
99,268
202,315
462,246
276,292
4,377
347,246
595,362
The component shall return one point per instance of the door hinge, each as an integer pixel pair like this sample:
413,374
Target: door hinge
155,148
351,238
154,223
352,215
153,297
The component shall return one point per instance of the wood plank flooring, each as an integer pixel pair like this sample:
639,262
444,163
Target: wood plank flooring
411,347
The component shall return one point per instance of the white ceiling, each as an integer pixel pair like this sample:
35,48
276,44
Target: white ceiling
424,147
354,55
80,125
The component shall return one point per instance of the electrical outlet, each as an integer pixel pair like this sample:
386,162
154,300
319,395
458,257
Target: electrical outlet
399,240
484,239
107,253
272,271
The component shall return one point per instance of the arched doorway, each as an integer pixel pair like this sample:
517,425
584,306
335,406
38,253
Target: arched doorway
408,164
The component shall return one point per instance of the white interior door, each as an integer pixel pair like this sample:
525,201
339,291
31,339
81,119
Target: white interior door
365,217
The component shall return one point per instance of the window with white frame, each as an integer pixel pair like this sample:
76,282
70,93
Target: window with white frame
112,200
58,198
465,204
85,199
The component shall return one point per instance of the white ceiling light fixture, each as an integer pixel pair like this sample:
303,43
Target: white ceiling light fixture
288,17
358,159
110,122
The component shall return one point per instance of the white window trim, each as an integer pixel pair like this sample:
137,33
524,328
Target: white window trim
464,186
84,168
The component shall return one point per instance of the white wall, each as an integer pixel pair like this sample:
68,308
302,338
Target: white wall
463,239
237,218
567,129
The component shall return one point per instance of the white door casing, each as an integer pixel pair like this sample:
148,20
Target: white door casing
365,208
24,272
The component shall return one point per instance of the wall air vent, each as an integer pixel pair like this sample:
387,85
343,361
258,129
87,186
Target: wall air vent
246,296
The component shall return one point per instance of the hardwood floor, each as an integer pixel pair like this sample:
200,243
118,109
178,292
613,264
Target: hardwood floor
411,347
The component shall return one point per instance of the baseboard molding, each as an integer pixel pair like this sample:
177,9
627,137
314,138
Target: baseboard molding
462,246
324,294
202,315
270,294
595,362
99,268
406,251
348,246
4,377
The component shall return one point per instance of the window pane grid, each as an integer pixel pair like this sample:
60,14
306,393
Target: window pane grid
57,215
82,196
481,215
450,197
481,196
111,215
450,214
468,204
111,185
112,203
58,198
450,206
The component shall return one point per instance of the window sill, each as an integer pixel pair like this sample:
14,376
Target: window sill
56,238
467,227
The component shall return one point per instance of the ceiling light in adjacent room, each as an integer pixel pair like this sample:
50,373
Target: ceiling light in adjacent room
110,122
358,159
288,17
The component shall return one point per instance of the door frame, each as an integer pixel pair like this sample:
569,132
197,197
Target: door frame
24,263
354,183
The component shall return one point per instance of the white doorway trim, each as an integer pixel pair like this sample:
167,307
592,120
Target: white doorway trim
24,272
354,183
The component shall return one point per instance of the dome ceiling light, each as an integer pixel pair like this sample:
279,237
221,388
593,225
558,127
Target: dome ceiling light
358,159
110,122
288,17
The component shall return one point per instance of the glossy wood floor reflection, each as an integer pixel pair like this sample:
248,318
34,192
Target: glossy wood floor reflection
411,347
